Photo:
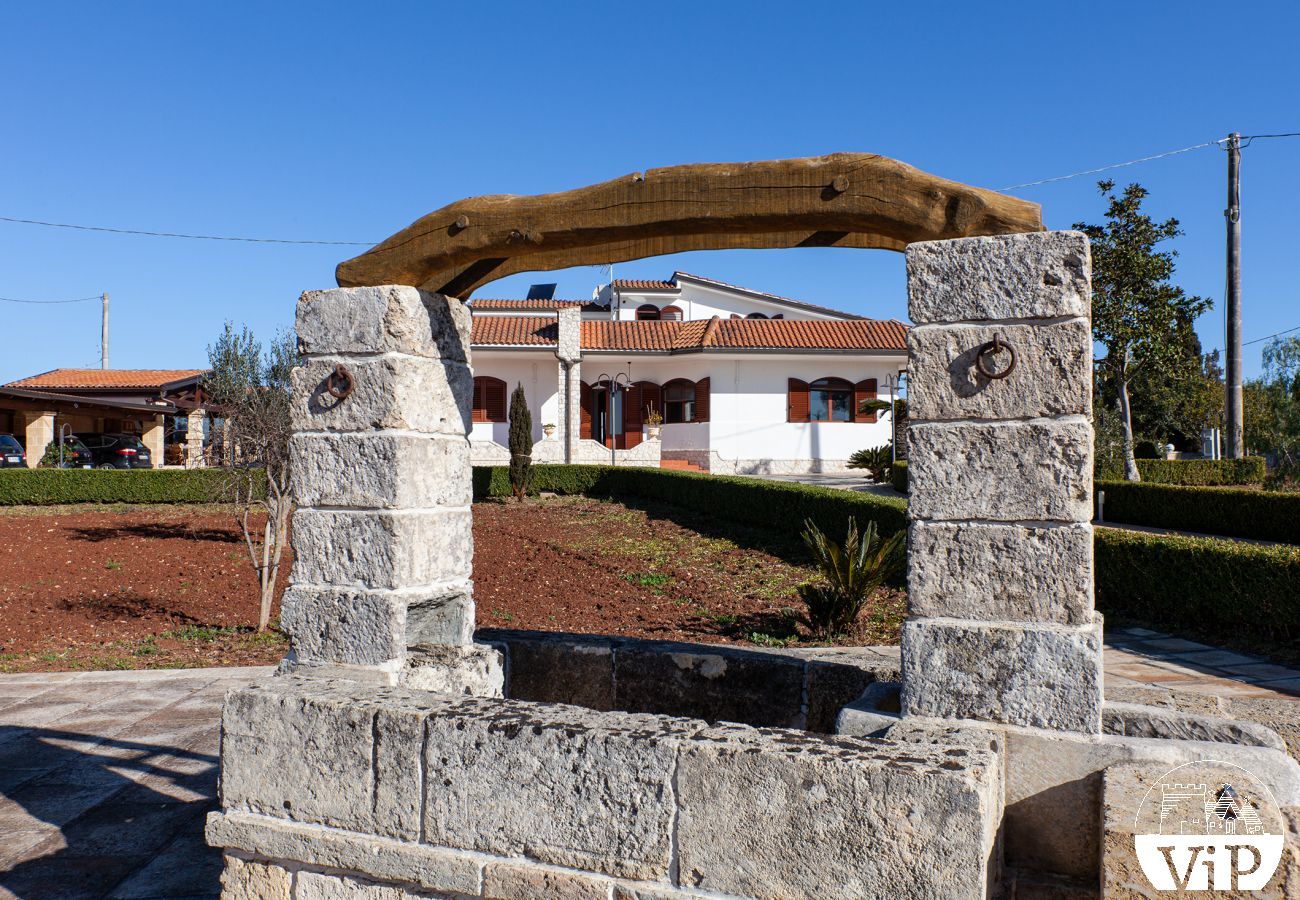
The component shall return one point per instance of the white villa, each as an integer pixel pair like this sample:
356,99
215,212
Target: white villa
745,382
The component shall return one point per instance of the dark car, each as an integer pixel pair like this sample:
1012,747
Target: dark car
113,450
76,455
12,455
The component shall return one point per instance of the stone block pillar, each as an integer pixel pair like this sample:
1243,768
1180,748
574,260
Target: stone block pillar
153,437
1000,583
380,584
568,350
194,439
37,429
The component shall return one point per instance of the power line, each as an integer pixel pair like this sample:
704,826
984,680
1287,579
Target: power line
1131,162
1270,336
43,302
174,234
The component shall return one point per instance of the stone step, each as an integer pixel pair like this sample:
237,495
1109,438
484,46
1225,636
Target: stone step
680,465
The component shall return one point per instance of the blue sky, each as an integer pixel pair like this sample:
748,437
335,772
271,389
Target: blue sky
347,121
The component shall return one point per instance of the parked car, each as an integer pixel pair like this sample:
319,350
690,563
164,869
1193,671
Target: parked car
113,450
76,455
12,454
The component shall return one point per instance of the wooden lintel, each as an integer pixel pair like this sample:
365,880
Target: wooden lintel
844,200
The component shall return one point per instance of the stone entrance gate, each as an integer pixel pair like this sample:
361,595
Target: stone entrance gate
393,757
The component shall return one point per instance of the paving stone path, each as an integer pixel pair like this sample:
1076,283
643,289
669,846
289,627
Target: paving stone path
105,777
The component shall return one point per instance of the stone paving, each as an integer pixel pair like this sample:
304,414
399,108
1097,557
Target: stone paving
105,777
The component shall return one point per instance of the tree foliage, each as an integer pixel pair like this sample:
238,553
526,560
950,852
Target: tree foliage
250,388
1271,407
521,443
1138,314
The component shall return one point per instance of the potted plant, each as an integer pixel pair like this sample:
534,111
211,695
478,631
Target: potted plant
547,430
653,421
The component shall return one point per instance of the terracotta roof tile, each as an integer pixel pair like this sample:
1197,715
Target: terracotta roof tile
101,379
514,331
479,303
641,284
701,334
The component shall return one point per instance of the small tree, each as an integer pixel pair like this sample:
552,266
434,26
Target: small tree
1136,311
251,389
521,443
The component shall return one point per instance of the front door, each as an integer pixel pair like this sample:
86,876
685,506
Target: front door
609,416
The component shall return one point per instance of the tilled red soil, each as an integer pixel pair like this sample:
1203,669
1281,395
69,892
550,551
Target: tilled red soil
151,586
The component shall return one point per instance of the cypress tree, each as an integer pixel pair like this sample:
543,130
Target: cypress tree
521,443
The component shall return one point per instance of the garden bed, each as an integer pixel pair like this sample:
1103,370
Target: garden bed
94,587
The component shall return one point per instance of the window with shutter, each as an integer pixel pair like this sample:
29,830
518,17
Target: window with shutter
647,312
679,401
633,415
489,399
671,314
584,412
797,401
830,400
652,399
863,391
701,400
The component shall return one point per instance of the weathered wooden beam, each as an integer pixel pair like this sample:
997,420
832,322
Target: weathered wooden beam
841,200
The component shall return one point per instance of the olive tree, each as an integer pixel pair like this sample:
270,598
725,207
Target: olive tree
249,387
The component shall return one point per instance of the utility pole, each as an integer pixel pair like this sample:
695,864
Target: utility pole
1235,448
103,336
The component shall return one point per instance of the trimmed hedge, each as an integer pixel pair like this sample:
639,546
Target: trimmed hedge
750,501
898,476
1250,470
1199,583
45,487
1232,512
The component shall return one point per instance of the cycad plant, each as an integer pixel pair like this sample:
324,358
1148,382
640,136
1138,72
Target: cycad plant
876,460
850,574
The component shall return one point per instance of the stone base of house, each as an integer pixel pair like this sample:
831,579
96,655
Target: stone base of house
711,461
550,451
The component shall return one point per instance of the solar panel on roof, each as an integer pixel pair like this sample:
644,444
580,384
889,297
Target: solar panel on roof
542,291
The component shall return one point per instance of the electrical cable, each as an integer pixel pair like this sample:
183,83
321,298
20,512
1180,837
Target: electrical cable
174,234
43,302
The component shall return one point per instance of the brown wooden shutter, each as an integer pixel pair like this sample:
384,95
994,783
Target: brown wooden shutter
633,416
652,398
797,401
702,400
494,400
864,390
584,412
479,412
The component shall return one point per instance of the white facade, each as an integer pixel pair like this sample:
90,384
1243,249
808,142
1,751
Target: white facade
747,428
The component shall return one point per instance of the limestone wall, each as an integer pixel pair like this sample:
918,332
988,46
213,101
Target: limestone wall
341,788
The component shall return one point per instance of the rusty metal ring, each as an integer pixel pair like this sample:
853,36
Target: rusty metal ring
990,349
339,383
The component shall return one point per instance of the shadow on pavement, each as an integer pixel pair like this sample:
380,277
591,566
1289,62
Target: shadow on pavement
105,818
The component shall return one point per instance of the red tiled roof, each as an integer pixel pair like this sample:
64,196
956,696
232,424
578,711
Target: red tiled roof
641,284
495,303
701,334
514,331
105,379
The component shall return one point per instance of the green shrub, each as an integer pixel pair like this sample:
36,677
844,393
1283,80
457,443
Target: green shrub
1199,583
750,501
44,487
1145,450
1250,470
1232,512
898,476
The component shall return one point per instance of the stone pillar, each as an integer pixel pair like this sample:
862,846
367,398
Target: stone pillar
38,431
153,438
194,439
568,350
381,536
1000,584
